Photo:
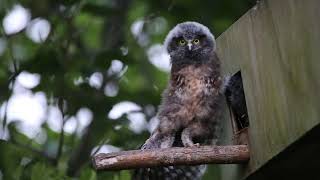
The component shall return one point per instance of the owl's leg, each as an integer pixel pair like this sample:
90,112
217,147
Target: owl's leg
167,130
167,141
196,132
163,136
153,142
186,137
158,140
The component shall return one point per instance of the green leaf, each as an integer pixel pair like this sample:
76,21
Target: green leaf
88,174
41,171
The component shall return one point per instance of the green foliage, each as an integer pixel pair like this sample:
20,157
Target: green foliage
44,171
88,174
85,36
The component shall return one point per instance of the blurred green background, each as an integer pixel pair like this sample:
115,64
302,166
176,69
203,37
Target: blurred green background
78,77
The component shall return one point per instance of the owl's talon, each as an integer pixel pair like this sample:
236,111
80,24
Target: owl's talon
192,145
195,145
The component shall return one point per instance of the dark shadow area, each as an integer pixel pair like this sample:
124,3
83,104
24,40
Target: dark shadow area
298,161
237,102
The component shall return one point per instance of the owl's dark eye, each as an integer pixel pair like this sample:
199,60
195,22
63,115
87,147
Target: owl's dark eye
182,42
196,41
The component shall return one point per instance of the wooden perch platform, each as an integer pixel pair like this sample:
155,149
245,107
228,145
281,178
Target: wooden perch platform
235,154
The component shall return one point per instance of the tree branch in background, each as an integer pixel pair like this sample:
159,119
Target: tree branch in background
172,156
61,138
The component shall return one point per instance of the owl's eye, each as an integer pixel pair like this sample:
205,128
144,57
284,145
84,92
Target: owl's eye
182,42
196,41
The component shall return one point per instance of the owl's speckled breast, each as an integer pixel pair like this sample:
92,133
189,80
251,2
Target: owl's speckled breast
196,88
194,82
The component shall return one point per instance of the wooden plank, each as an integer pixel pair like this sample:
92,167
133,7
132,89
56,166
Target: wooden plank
275,45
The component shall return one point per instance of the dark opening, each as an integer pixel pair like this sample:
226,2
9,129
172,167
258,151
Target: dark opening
237,102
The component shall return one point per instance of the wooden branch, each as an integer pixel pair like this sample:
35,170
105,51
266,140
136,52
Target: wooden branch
172,156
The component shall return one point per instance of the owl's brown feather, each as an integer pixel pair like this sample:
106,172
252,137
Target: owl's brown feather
191,106
191,102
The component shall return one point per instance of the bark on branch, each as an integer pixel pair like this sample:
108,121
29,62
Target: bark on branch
236,154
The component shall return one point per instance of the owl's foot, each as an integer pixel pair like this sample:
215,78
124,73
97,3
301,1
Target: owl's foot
167,141
187,139
193,145
196,145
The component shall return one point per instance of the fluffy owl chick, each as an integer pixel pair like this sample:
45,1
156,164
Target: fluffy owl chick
191,104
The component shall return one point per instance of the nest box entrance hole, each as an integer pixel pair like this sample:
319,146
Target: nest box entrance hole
236,102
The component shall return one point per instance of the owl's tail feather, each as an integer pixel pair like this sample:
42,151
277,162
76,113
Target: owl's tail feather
167,172
170,173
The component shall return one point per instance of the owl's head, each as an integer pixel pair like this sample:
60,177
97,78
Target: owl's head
189,42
